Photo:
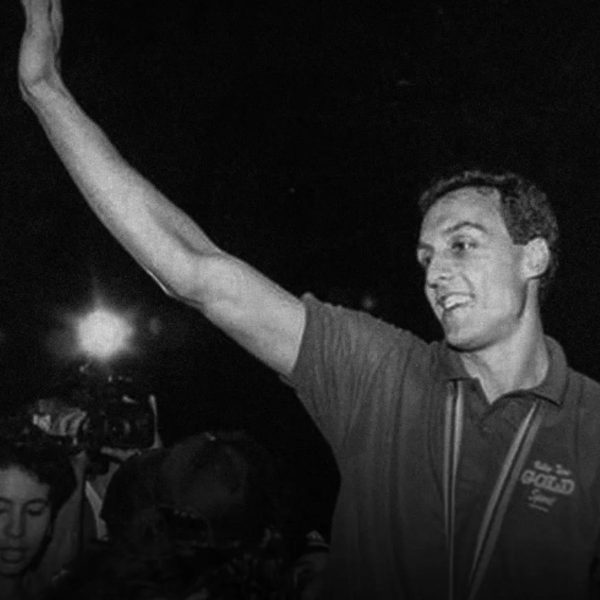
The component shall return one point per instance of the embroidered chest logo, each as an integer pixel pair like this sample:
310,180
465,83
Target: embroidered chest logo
548,483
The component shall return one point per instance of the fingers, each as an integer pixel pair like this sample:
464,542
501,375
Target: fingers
65,424
37,13
44,18
56,18
40,45
69,425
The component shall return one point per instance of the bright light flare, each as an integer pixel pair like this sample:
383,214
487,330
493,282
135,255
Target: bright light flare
103,334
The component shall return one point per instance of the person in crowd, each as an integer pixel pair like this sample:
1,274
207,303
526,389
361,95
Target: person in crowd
36,481
199,519
102,418
469,467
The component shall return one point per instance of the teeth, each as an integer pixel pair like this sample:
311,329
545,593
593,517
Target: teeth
453,300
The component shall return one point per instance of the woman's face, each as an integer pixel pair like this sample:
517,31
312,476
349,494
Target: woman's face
24,519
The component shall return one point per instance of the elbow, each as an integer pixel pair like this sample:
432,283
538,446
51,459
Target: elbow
181,289
177,283
174,291
202,281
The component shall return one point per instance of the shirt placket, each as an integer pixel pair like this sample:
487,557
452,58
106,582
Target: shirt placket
485,458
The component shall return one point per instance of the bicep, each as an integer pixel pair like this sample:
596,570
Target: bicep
253,310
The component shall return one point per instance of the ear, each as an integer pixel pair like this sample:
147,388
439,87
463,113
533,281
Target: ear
536,258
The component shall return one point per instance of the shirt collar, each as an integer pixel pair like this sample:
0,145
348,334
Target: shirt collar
554,384
551,388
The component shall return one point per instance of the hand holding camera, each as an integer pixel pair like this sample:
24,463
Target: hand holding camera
56,418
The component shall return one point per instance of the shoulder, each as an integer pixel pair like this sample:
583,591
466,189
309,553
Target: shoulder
342,345
581,406
357,327
587,389
354,341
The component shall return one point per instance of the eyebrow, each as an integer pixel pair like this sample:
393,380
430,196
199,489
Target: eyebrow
27,502
453,229
462,224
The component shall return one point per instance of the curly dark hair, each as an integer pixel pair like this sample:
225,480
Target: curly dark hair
46,462
525,208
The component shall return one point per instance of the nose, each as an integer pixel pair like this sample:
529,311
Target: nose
15,525
439,269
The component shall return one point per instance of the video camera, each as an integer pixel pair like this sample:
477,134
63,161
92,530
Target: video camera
119,413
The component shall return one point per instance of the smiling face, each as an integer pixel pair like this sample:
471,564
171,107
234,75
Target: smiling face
475,276
24,519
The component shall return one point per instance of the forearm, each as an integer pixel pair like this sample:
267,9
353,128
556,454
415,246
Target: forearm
158,235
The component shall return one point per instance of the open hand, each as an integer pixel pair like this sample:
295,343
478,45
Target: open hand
39,60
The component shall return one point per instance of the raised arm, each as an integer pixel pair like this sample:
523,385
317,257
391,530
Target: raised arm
250,308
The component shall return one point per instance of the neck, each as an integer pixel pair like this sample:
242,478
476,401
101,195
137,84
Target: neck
517,363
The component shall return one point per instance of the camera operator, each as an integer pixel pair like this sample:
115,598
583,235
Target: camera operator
94,463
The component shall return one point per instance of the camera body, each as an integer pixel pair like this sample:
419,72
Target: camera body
118,412
119,420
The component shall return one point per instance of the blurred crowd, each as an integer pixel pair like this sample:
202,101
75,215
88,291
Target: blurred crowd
206,518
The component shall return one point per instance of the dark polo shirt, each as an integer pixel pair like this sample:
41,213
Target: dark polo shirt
378,394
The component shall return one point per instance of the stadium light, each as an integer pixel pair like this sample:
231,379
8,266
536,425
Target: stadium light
103,334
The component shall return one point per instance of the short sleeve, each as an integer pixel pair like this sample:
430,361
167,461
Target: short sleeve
347,358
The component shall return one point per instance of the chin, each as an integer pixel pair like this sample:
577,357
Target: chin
463,342
459,346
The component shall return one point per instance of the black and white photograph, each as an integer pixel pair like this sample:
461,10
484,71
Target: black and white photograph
299,300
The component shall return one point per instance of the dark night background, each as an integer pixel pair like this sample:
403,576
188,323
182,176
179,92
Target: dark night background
298,134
